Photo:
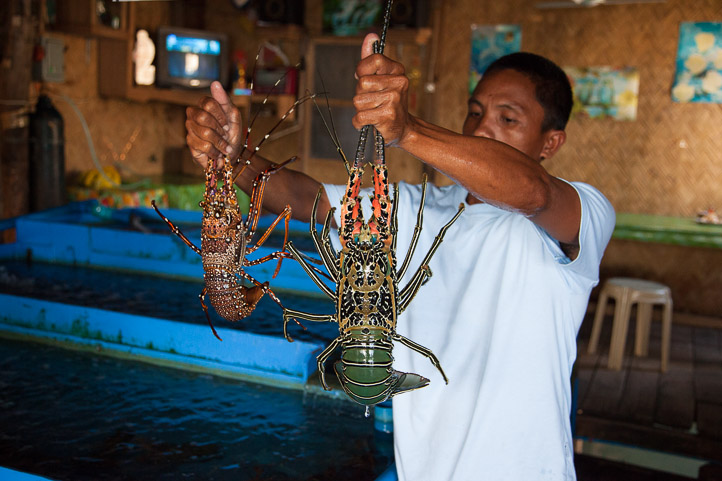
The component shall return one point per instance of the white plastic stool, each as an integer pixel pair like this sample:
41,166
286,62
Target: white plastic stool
626,291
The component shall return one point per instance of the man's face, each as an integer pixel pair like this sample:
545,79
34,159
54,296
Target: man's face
503,107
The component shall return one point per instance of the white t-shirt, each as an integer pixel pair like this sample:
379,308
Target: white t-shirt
501,312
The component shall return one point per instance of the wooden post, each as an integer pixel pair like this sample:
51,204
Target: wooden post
18,32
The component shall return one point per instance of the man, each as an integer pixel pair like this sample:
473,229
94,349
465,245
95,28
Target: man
510,283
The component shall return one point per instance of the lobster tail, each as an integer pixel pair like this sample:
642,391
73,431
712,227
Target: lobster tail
366,375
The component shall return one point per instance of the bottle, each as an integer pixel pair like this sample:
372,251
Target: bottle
47,156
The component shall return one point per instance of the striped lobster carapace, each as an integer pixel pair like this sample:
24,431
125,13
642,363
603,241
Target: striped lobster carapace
367,296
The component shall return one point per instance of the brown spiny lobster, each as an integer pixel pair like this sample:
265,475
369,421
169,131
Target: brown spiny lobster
367,296
226,239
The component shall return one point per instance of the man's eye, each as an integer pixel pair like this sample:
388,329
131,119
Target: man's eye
508,120
474,114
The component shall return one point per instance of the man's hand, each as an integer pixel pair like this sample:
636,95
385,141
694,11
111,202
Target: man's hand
214,127
381,96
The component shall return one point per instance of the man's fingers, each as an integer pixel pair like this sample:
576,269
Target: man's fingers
231,113
367,47
378,65
381,83
206,141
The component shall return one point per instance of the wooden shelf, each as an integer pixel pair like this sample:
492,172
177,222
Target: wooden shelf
80,17
142,93
116,79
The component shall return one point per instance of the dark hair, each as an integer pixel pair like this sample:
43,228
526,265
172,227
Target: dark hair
553,90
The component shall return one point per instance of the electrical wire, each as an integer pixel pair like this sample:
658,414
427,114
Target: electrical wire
91,146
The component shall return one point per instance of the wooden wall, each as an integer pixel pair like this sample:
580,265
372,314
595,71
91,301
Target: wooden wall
669,160
142,134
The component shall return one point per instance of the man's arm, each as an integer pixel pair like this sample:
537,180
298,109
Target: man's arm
500,175
215,129
490,170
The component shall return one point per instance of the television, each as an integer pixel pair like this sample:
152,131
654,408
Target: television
189,58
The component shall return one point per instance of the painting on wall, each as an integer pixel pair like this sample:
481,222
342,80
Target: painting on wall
698,76
488,43
604,92
350,17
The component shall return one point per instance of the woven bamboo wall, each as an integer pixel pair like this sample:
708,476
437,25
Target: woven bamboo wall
141,134
668,161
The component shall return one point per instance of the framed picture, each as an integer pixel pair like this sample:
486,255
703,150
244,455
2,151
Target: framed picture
488,43
698,76
604,92
350,17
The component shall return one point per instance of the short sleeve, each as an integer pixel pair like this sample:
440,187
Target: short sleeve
595,230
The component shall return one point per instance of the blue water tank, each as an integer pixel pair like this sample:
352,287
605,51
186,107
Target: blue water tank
383,417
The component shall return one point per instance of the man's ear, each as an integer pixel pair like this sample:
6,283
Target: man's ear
554,141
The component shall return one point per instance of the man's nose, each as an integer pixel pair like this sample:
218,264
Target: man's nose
483,128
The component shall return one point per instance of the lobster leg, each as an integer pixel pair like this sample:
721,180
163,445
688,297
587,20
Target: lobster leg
176,230
325,235
264,287
327,257
321,361
205,309
289,314
417,231
259,185
421,350
394,226
310,271
286,214
273,255
419,278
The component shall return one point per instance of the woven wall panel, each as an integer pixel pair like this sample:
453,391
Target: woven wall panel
668,161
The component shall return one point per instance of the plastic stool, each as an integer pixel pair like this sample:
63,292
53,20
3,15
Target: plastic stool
626,291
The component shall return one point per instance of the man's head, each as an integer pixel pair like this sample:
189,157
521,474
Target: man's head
553,90
523,100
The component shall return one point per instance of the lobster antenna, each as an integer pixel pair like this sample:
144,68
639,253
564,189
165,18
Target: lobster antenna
334,135
332,128
387,20
253,78
335,141
263,104
273,129
378,48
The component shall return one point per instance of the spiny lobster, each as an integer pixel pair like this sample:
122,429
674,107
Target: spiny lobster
368,299
226,239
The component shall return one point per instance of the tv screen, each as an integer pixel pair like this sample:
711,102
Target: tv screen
190,58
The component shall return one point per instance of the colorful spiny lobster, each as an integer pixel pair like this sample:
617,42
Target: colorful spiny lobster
225,243
368,299
226,239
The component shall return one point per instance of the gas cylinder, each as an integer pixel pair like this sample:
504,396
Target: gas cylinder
47,156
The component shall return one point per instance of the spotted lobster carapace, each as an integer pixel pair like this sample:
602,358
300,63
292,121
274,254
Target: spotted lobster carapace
226,243
227,239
